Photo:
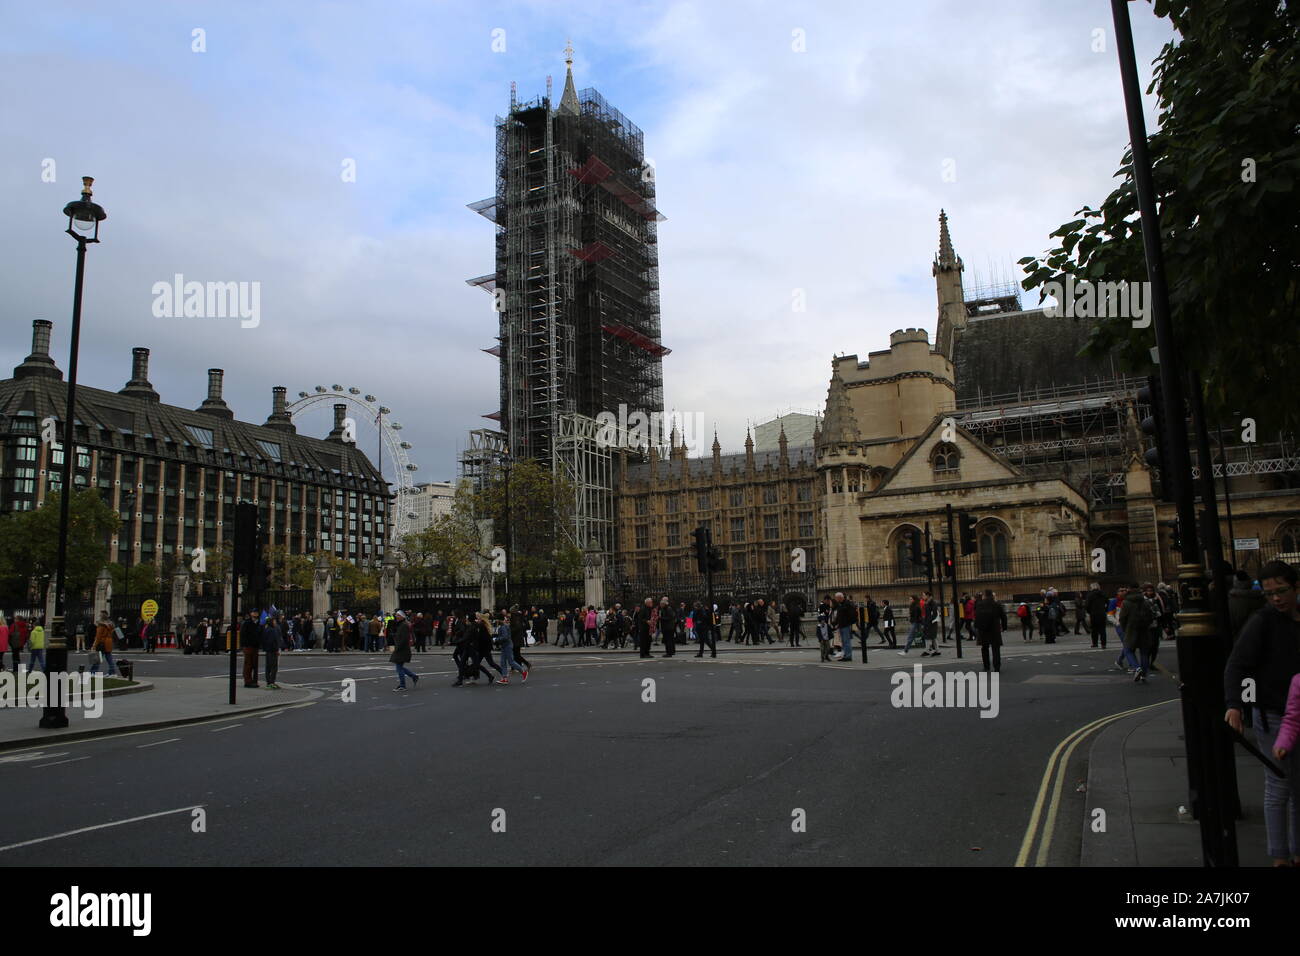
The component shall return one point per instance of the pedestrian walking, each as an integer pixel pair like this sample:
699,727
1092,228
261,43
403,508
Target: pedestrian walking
1266,656
103,645
4,639
36,646
888,623
1137,620
705,629
1094,604
930,623
990,620
399,635
505,639
18,638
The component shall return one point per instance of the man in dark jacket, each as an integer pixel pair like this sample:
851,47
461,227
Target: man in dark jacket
990,622
250,639
641,625
1258,673
271,651
1095,603
1138,621
668,627
399,635
704,628
846,615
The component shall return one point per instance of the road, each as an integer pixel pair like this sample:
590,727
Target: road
579,768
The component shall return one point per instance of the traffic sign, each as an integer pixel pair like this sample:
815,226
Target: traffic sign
149,610
1246,544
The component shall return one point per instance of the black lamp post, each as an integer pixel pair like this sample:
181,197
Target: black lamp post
84,218
130,500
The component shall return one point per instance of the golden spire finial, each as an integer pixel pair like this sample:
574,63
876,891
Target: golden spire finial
568,52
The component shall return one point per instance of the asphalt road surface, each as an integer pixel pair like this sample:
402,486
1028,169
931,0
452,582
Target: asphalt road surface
577,767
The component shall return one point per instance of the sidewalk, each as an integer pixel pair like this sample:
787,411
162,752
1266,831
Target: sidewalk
170,701
1137,773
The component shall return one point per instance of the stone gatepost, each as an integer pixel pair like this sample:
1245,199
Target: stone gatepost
388,580
103,594
322,582
593,562
180,603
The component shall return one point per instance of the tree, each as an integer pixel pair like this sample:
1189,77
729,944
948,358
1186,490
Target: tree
541,508
349,577
29,541
1225,163
289,570
140,579
449,550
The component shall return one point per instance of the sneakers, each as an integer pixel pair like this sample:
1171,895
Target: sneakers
459,683
273,686
503,680
415,680
902,653
399,687
525,678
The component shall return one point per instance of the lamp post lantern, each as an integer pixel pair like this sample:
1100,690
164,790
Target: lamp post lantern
84,217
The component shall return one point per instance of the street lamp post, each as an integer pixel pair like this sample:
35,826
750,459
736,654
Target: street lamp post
84,218
1200,651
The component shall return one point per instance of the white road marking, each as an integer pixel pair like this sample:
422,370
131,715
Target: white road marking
57,762
101,826
220,729
159,743
274,713
36,755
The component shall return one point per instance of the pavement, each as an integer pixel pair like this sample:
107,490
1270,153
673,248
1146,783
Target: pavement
152,704
1137,774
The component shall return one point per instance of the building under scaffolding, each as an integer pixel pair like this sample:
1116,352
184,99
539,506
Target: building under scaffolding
577,291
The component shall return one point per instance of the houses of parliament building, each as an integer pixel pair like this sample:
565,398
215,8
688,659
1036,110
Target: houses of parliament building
998,417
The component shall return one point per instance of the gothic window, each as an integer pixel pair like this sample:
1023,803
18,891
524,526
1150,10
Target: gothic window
704,501
771,526
1115,550
737,530
994,543
737,497
674,534
1289,538
803,491
945,460
769,494
903,554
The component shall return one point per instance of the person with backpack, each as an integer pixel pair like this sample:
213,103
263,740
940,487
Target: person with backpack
102,646
1026,622
18,638
990,620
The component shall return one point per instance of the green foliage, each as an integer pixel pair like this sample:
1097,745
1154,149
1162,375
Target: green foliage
1225,164
541,509
288,570
29,541
141,579
349,577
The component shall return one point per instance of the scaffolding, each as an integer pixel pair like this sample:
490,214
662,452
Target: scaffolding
577,290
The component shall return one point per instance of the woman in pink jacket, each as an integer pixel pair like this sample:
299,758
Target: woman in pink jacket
4,639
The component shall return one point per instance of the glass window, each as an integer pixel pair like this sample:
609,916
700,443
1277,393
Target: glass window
771,526
769,494
737,530
737,497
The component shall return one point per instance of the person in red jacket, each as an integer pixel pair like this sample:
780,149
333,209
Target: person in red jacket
18,639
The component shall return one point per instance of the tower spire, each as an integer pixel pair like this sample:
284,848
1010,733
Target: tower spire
947,258
569,99
952,300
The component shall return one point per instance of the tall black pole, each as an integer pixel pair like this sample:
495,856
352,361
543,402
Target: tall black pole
956,598
57,661
1227,496
1200,657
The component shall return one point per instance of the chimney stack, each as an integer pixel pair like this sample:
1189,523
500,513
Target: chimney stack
280,417
214,404
39,362
340,413
139,385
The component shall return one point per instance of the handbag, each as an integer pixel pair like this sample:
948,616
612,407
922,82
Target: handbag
94,658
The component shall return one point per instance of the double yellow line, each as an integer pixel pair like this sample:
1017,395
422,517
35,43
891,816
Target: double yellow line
1056,767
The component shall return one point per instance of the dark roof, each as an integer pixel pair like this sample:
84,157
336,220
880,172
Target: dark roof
1010,352
125,423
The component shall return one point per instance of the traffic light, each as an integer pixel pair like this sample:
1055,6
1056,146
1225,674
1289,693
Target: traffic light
703,538
1155,425
942,557
247,546
716,561
917,545
966,522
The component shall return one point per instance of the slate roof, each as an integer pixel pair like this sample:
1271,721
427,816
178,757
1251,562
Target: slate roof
133,425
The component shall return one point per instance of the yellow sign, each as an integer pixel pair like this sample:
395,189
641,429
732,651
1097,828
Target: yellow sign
149,610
